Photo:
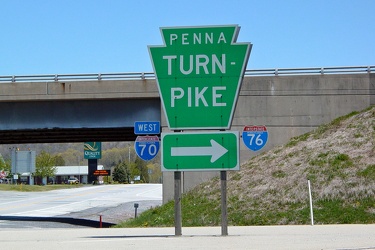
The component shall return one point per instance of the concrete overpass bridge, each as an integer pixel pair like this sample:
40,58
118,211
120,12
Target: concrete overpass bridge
75,108
104,107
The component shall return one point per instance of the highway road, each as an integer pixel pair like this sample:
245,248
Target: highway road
29,235
74,202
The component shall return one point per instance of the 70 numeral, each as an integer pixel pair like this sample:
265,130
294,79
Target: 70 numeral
152,149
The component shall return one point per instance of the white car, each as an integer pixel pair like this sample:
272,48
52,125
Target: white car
5,181
73,180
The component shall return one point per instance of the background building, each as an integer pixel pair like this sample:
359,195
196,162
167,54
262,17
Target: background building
63,173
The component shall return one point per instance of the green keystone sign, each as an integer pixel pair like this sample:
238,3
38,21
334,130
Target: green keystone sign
201,151
199,72
93,150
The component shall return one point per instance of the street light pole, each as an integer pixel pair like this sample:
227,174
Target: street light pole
79,169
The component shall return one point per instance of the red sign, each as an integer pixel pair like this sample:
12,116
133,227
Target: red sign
102,172
255,128
2,174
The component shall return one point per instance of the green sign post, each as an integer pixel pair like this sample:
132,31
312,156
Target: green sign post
199,72
203,151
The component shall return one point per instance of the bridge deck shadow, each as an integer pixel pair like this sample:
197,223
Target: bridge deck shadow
66,220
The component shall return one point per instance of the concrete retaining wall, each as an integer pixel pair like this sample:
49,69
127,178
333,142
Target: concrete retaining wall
289,106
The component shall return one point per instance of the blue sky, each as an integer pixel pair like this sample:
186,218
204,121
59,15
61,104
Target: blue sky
94,36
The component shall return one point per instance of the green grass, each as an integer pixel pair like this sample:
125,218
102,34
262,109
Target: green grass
204,212
331,165
368,173
340,212
236,177
336,166
294,141
196,211
35,188
278,174
334,124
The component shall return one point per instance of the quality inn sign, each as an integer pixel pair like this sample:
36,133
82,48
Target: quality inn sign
92,150
199,72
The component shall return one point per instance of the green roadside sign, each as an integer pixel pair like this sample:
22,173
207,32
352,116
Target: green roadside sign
92,150
199,72
200,151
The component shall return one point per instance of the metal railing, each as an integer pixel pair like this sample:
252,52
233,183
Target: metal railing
77,77
151,75
311,71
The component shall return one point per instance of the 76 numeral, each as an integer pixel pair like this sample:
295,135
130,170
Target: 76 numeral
258,140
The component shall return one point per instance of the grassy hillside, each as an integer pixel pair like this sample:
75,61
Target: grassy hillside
271,189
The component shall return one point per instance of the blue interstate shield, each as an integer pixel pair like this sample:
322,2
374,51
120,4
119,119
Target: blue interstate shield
255,137
147,147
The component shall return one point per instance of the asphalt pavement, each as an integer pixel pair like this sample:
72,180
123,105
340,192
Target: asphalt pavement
82,207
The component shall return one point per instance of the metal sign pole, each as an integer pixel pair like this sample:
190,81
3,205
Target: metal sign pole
177,203
224,214
311,205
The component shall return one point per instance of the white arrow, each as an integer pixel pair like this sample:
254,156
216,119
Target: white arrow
215,151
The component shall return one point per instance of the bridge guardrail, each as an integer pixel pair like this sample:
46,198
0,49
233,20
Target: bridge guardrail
311,71
151,75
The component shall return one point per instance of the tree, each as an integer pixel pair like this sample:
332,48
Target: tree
121,173
143,170
72,157
115,155
59,160
5,165
155,173
45,165
2,163
134,171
